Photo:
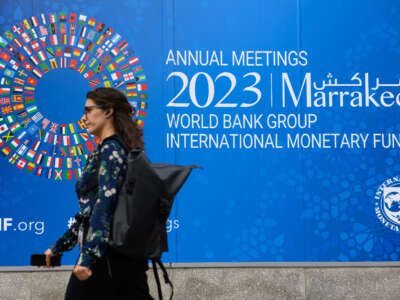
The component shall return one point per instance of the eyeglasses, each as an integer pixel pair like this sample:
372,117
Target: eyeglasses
88,109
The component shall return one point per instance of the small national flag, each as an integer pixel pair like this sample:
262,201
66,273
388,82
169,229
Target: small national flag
18,107
58,174
91,22
17,42
6,110
72,30
131,94
15,127
42,55
6,150
94,82
129,76
68,163
37,73
3,128
28,50
108,32
72,17
39,159
32,81
68,174
34,21
39,171
36,146
14,143
66,140
43,30
49,173
19,80
111,67
90,146
48,161
81,124
10,119
63,17
142,113
77,52
71,128
89,74
34,59
105,59
116,75
77,140
143,105
131,86
53,63
53,18
30,167
82,19
58,163
72,40
115,51
133,60
5,101
21,163
13,158
137,70
31,109
143,96
3,42
25,37
85,136
30,154
53,40
72,151
78,173
142,87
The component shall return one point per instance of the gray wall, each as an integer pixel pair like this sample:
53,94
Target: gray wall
231,283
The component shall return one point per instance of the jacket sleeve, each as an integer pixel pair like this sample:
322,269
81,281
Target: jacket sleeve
111,168
68,240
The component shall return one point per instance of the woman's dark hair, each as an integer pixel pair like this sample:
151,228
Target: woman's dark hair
122,117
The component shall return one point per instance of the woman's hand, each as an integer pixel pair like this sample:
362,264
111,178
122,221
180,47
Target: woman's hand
82,273
48,254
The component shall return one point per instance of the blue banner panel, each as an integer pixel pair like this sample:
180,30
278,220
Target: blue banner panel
289,106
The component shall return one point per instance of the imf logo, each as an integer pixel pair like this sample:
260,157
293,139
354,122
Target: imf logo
387,203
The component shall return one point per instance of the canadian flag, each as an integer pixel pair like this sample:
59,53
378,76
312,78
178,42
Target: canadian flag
21,163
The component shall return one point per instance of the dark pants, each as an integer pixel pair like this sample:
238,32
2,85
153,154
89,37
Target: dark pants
128,281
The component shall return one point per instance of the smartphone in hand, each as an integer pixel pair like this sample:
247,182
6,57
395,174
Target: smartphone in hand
40,260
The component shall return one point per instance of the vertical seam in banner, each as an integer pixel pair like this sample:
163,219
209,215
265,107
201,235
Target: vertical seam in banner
175,150
301,158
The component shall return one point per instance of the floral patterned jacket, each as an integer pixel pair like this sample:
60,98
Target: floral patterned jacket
97,199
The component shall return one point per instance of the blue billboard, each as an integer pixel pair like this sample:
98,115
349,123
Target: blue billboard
290,107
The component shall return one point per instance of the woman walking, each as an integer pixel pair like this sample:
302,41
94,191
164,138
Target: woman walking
100,273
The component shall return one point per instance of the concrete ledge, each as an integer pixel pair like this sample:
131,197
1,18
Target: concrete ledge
230,283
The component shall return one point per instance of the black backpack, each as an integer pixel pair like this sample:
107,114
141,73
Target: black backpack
143,207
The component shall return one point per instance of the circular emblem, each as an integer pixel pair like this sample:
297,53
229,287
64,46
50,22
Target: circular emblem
29,139
387,203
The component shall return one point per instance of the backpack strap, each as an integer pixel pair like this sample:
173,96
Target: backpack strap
154,262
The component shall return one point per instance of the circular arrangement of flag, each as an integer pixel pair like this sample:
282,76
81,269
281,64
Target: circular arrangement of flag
38,45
